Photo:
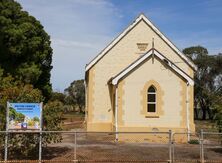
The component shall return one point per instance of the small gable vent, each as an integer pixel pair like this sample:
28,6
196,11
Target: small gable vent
142,46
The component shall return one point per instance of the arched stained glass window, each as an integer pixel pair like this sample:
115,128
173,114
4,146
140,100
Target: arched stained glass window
151,99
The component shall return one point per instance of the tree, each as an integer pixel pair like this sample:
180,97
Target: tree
25,65
25,51
13,114
58,96
75,94
36,119
217,105
15,91
206,78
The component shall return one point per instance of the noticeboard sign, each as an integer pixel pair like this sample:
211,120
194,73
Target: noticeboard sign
24,116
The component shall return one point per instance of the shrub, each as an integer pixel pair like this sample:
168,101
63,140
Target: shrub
194,141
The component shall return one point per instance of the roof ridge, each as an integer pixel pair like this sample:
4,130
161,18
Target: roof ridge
128,29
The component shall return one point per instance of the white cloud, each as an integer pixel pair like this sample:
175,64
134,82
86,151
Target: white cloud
73,44
79,29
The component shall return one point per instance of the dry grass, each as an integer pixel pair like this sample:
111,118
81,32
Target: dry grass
103,147
206,125
73,121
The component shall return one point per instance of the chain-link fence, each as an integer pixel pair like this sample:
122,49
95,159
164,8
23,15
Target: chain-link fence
71,146
185,147
212,146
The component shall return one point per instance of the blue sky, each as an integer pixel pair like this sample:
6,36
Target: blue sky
80,29
32,111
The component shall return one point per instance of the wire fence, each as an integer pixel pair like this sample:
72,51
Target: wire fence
73,146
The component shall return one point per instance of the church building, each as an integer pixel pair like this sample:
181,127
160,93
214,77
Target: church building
140,82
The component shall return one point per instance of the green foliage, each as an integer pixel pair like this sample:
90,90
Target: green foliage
195,52
15,91
75,94
194,141
36,119
52,120
52,116
208,83
25,65
13,114
207,78
24,47
58,96
217,105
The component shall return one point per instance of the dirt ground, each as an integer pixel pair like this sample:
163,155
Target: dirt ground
132,152
103,148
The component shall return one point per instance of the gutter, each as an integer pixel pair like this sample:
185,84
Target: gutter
86,104
187,110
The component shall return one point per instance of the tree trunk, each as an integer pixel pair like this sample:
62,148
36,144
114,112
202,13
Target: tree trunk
196,114
209,113
204,111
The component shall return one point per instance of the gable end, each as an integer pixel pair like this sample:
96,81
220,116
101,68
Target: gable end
127,30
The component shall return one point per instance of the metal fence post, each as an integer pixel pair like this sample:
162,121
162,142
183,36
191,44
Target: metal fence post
170,146
173,146
75,145
40,132
6,146
201,146
6,133
40,147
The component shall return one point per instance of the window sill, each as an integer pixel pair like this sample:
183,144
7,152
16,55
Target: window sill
152,116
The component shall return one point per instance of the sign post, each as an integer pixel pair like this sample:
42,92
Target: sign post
40,136
6,134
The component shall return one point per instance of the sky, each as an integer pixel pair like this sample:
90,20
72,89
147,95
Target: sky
80,29
28,109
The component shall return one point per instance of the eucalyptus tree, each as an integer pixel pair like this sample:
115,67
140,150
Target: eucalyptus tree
208,79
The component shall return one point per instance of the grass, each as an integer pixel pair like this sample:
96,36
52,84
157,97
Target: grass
73,120
206,125
194,141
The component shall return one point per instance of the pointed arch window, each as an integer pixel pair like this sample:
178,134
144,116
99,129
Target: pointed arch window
151,99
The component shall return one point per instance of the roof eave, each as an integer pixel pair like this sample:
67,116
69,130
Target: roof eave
117,39
118,77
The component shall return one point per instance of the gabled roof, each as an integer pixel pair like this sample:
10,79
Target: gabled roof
154,52
116,40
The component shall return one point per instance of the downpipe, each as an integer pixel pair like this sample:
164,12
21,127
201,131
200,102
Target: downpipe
187,110
116,112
